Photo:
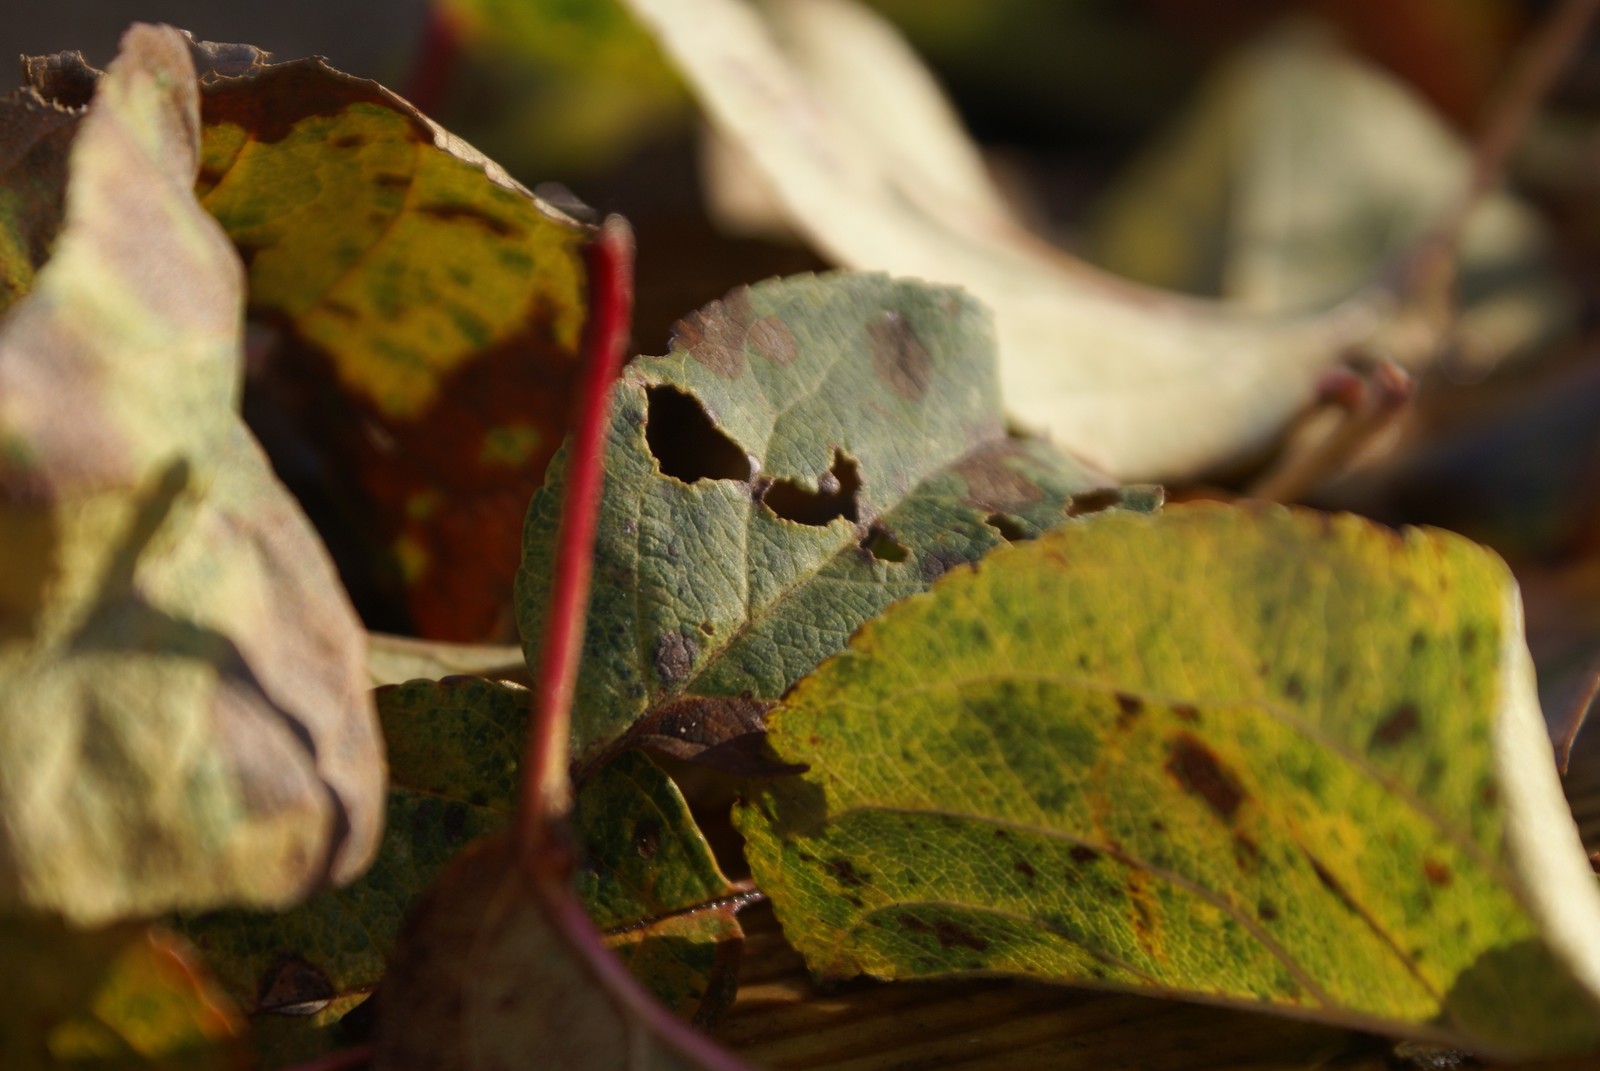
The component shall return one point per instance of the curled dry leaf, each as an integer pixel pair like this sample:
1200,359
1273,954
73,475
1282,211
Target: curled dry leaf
1244,755
812,449
424,314
1145,383
183,718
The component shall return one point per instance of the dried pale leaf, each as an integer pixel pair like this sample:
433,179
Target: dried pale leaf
811,450
1248,756
1283,192
183,721
397,659
1140,381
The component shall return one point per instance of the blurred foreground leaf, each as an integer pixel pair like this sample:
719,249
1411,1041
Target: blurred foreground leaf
1242,755
123,996
183,719
811,450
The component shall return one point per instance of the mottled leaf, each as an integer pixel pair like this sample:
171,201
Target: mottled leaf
126,996
1145,383
426,312
811,450
183,721
454,748
1242,755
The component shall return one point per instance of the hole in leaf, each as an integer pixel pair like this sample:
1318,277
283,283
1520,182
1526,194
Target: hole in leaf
1008,527
835,495
882,545
1094,501
686,444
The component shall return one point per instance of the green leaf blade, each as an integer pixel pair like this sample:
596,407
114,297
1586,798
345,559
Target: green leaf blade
1230,754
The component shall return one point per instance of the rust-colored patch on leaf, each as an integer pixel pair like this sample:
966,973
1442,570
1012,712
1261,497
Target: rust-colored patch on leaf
948,934
1200,773
1399,726
1437,873
715,335
899,357
995,485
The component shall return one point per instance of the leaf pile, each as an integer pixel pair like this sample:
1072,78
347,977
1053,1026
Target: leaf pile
945,697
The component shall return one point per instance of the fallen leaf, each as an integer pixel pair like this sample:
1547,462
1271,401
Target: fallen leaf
183,721
396,659
1282,192
492,968
126,996
1142,382
454,750
811,450
426,310
1243,755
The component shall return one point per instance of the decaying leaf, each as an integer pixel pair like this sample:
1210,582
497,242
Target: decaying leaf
183,720
811,450
125,996
1142,382
647,876
35,136
1244,755
426,311
492,968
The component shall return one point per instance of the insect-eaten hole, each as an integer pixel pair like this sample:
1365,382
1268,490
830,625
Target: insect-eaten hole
686,444
882,545
1095,501
1007,526
834,497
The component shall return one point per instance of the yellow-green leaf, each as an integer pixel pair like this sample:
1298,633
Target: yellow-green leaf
1234,754
124,996
183,719
427,311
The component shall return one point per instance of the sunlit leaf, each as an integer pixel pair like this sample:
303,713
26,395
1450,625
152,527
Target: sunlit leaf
1243,755
183,721
811,450
427,311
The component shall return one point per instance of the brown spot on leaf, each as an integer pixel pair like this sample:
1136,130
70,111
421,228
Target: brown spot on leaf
1186,713
1082,853
845,873
1200,773
1129,707
1023,867
392,181
1399,726
275,98
1266,911
1437,873
1331,883
685,442
898,356
993,482
348,141
724,733
948,934
771,338
674,657
1246,853
715,335
464,213
1294,688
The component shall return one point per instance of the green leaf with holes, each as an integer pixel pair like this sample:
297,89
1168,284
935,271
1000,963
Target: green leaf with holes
454,746
1237,754
811,450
